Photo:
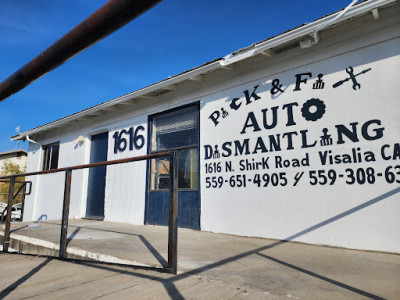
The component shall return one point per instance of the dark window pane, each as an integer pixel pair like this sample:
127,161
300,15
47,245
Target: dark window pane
45,158
50,156
170,131
177,139
54,157
188,169
175,129
188,177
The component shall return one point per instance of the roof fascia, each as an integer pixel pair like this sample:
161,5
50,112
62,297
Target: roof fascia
306,30
139,93
258,48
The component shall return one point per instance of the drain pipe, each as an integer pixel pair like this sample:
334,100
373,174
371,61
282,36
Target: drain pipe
32,141
315,36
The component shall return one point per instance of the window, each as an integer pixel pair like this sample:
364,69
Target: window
170,131
50,157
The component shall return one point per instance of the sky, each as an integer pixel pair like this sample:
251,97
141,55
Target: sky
174,36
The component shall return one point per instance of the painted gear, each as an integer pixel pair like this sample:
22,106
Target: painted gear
313,116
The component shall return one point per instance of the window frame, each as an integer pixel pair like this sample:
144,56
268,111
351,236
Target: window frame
47,157
151,118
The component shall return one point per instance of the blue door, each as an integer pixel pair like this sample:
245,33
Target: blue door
97,177
170,131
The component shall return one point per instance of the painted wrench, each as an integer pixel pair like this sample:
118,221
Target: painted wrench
349,71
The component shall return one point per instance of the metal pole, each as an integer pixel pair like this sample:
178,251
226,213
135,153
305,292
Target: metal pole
173,215
107,19
65,215
23,203
6,242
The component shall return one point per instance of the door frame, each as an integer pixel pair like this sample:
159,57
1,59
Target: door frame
87,175
149,133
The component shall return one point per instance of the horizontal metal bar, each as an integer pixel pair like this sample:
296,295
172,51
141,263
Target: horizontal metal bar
8,181
98,164
107,19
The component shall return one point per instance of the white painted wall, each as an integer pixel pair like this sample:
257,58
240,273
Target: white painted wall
352,216
11,157
34,153
126,183
45,202
362,216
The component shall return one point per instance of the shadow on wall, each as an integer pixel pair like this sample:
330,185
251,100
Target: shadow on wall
42,218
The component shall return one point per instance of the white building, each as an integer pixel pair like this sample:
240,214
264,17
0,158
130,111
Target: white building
295,137
16,156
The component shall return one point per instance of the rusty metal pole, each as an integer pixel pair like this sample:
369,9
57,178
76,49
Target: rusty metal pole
173,215
23,203
6,242
65,215
107,19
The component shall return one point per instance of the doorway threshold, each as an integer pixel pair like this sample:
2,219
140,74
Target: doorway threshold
97,218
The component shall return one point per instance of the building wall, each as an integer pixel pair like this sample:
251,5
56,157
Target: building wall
18,160
305,199
359,215
282,199
45,202
14,158
126,183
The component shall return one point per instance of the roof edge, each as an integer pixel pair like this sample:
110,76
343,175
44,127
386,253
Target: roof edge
306,30
261,47
13,151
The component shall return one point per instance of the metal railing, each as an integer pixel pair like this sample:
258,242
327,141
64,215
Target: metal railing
172,210
108,18
22,189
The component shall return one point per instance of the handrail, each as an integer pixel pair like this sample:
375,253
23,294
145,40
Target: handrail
97,164
108,18
172,207
15,196
23,186
8,181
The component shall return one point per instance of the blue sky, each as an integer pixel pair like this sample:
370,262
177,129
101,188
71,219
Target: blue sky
174,36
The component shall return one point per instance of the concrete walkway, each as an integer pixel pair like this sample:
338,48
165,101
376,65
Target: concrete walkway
263,267
31,277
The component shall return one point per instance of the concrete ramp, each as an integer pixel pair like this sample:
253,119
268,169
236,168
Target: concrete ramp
93,240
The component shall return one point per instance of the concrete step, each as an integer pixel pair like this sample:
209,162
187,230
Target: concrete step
29,245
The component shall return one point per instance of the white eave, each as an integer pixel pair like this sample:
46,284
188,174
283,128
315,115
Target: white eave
264,47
